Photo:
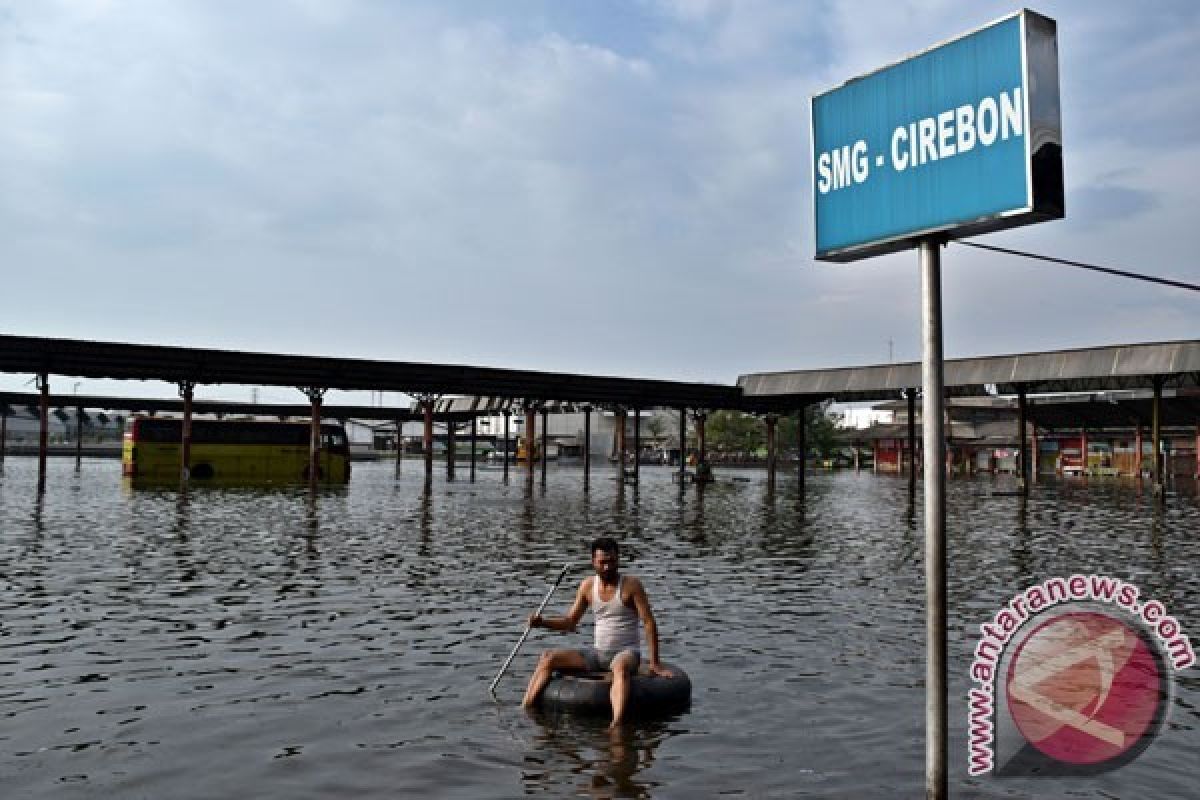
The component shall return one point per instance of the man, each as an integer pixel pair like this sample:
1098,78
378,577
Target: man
618,603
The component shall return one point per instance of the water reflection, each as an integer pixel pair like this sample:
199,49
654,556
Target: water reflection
1022,545
155,640
580,757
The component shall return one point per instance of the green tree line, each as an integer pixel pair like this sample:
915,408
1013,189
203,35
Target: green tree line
735,431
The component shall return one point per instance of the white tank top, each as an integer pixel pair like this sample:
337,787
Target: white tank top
616,623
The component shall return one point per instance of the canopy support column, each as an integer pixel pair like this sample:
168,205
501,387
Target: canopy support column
78,438
545,441
587,445
682,446
426,403
530,442
1022,448
507,434
474,439
801,446
316,396
43,385
1083,452
637,445
1156,434
1036,447
911,394
1137,456
451,447
399,445
769,421
187,390
619,432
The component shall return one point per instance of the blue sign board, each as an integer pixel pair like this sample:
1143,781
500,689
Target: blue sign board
961,139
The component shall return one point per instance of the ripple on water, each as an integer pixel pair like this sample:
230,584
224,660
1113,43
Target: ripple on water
267,642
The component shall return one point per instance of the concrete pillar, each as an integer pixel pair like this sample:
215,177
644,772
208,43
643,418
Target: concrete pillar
43,384
769,421
451,447
187,391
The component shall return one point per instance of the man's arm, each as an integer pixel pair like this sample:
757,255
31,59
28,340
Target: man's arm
642,603
568,623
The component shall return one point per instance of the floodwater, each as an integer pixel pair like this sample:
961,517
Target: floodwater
271,644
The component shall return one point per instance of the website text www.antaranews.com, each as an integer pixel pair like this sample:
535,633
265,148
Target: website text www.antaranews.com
1032,601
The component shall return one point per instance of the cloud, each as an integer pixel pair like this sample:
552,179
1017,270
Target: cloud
1104,204
541,185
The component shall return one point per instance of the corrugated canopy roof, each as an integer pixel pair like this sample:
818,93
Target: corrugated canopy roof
1128,366
87,359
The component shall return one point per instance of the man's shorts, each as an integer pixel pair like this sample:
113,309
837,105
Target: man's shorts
601,660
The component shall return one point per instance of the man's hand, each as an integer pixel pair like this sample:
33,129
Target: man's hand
660,671
535,620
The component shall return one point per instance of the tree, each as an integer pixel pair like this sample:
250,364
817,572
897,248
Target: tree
734,431
820,429
656,425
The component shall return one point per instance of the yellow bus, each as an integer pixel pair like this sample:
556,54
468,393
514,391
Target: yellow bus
232,451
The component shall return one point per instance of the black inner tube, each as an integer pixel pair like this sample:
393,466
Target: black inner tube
649,695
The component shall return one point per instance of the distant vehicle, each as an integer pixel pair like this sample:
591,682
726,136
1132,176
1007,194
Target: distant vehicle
233,450
521,451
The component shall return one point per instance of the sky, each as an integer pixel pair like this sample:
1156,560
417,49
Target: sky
610,188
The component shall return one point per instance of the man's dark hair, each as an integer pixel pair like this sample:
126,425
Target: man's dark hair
605,544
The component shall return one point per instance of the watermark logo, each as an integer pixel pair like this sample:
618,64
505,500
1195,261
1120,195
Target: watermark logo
1074,677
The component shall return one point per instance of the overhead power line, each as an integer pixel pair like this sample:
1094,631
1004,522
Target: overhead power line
1094,267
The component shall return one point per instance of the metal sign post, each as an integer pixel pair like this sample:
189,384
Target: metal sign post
960,139
934,440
